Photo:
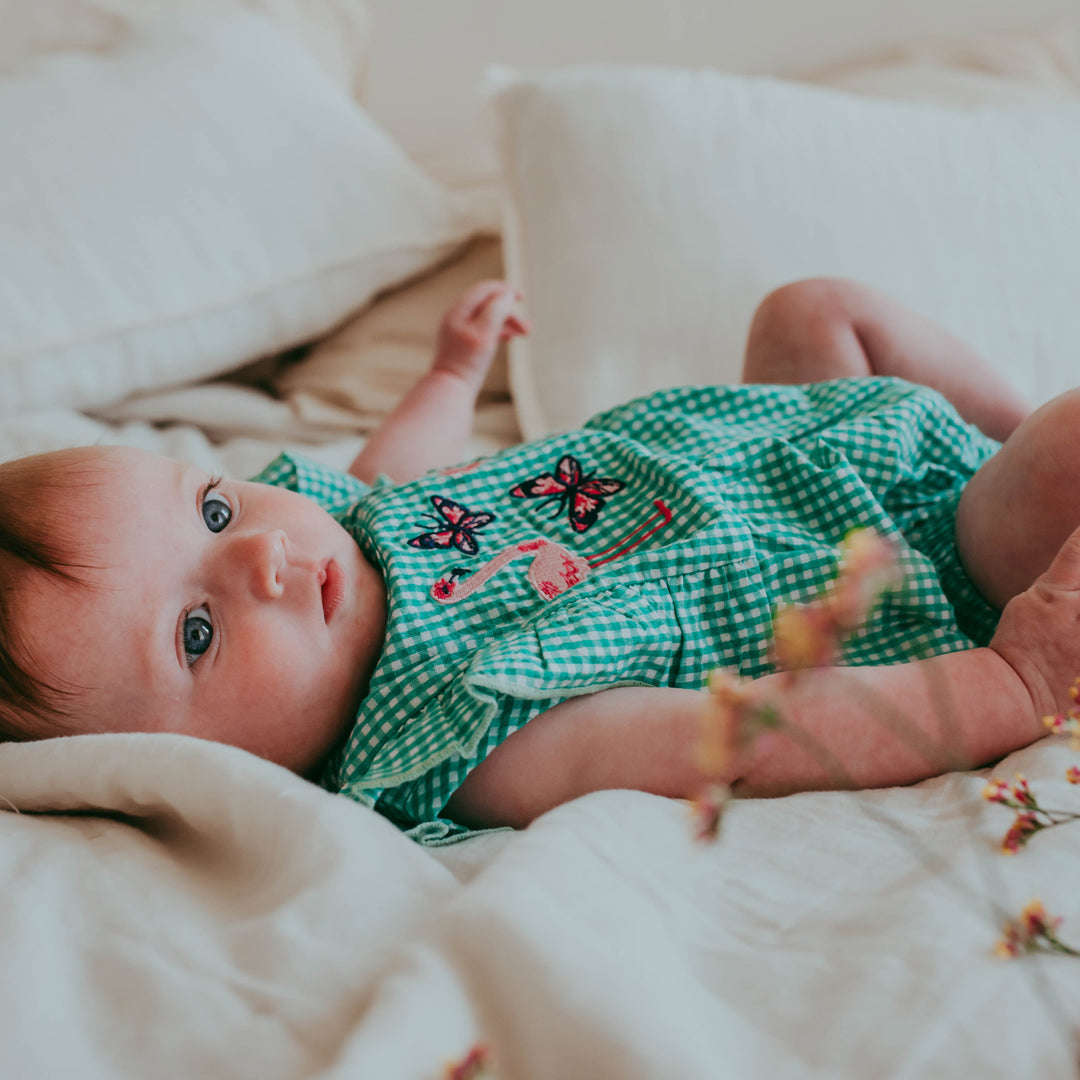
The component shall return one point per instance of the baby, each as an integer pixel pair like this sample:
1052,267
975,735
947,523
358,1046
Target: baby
464,646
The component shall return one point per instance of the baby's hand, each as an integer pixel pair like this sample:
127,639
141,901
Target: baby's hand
471,330
1039,632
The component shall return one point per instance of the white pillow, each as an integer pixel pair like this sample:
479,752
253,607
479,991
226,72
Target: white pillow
198,196
652,209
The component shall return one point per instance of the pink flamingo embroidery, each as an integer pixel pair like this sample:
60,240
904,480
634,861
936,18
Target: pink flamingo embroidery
553,568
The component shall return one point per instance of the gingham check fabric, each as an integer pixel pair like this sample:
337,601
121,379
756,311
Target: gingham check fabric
715,505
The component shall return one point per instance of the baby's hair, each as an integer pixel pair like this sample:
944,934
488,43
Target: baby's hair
32,539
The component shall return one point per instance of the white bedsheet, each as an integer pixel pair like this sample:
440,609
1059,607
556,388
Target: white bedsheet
222,427
232,920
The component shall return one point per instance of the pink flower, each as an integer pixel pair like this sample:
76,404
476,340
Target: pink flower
1021,792
723,723
472,1066
1035,921
1067,722
1018,795
730,689
1009,946
805,636
734,717
1064,723
709,809
1022,829
810,635
1031,817
1034,931
868,568
1072,774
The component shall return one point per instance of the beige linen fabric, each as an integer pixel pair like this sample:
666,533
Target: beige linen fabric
337,32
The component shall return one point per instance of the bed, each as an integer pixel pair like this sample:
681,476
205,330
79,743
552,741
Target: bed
228,228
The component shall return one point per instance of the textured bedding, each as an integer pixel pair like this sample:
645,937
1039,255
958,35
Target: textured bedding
321,401
229,920
174,908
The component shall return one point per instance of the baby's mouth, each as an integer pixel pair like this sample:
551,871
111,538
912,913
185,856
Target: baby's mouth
333,589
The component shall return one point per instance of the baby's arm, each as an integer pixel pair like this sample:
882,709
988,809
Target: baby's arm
431,424
861,727
837,734
637,737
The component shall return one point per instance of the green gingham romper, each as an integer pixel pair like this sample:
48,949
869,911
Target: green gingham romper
645,549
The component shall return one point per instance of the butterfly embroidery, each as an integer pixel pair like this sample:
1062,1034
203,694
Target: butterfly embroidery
455,529
581,496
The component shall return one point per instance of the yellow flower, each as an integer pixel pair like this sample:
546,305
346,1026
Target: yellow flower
810,635
722,722
730,689
1035,919
1034,931
1020,832
805,636
868,568
1007,948
1067,722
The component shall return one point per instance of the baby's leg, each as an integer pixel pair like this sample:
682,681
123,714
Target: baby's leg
1018,509
829,328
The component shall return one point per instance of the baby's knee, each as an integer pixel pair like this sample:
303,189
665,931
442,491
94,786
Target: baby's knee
802,308
1046,446
1023,502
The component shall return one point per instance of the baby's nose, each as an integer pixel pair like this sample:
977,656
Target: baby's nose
264,556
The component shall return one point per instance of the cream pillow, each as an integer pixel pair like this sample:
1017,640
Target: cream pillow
334,31
198,195
651,209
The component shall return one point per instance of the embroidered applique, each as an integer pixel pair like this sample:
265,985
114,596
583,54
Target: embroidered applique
458,522
552,568
457,470
583,497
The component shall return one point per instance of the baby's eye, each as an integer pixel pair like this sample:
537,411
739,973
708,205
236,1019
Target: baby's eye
216,511
198,633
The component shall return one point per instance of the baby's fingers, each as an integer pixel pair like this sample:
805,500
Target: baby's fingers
1064,570
513,327
497,309
477,300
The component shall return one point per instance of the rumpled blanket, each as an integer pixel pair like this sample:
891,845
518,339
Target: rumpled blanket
175,908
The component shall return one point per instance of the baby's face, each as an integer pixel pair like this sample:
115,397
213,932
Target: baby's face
239,612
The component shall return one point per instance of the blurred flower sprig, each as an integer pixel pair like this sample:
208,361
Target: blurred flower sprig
1031,817
1035,931
813,634
804,636
1067,722
473,1066
733,720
